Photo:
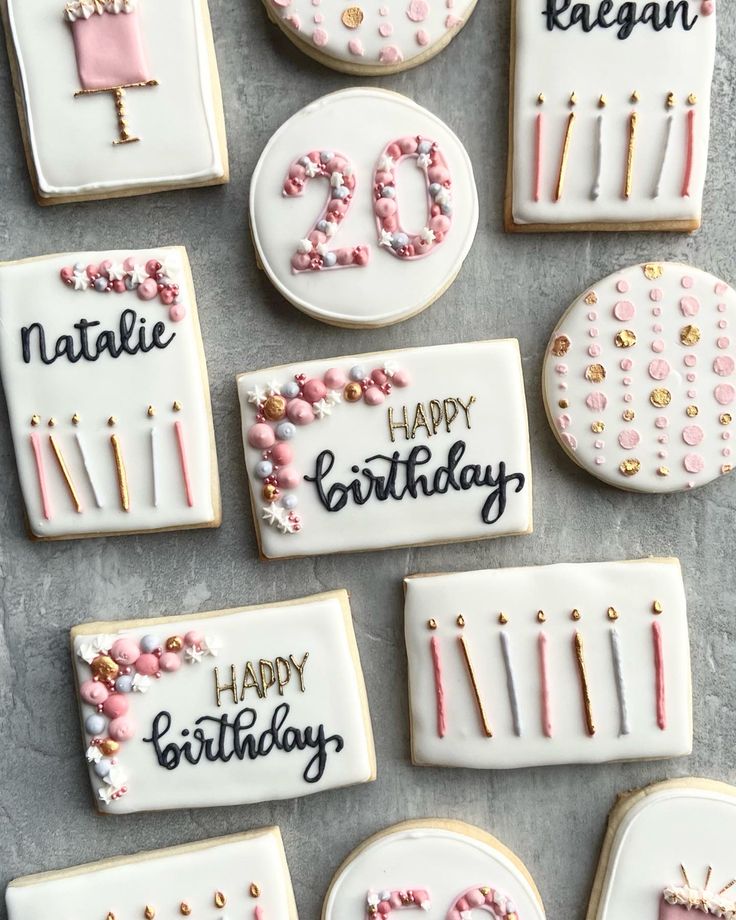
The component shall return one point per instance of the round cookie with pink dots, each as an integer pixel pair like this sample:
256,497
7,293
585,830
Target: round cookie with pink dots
639,381
370,38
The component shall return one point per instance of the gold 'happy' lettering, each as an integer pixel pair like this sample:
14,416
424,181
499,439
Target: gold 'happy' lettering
436,415
260,676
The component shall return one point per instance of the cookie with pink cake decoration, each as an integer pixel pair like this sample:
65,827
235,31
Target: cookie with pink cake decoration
436,868
116,97
668,854
424,445
369,38
639,380
398,216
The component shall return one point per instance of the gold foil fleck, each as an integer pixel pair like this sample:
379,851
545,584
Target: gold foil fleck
112,421
185,909
626,338
602,102
595,373
652,271
689,335
591,298
432,624
503,619
630,467
657,607
109,747
352,17
663,471
176,406
671,100
598,427
353,392
725,419
460,620
660,397
541,616
576,614
726,468
35,421
52,423
220,899
691,411
635,96
174,644
692,99
255,891
573,98
76,419
104,668
628,415
274,408
561,346
612,613
540,99
150,411
150,912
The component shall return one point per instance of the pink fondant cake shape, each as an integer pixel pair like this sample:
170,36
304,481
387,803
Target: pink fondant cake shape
680,900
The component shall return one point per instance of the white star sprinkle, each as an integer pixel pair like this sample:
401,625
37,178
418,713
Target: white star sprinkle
138,275
168,269
81,281
256,395
193,655
116,272
330,228
427,235
424,161
273,388
141,683
305,246
211,646
311,168
390,368
336,180
323,249
322,409
386,163
386,238
93,754
334,397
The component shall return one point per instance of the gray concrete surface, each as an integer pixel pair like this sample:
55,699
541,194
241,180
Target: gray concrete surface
554,818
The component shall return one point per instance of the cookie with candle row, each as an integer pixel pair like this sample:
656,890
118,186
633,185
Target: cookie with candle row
668,853
109,108
105,379
569,663
610,113
244,875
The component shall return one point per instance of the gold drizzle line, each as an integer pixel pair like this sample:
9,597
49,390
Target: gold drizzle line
685,876
728,887
66,474
708,875
583,674
121,474
476,690
629,181
565,153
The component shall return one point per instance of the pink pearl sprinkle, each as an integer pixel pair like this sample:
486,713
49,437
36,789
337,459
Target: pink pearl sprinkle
690,360
723,342
691,378
726,436
594,351
626,364
627,381
722,324
658,346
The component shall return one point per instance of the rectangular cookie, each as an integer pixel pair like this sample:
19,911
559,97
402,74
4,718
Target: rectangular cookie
244,875
400,448
222,708
116,97
105,378
570,663
610,114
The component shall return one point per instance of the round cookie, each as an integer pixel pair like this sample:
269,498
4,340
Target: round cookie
370,39
363,207
445,869
639,380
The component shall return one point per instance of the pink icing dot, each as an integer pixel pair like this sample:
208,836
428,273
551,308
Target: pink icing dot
663,439
624,310
661,422
592,316
656,311
593,333
629,438
355,47
314,390
596,401
723,341
385,29
374,396
319,18
194,637
622,286
726,451
724,394
169,662
561,369
122,729
115,705
261,436
288,478
320,37
726,436
418,10
687,282
125,651
657,346
93,692
662,454
722,324
656,294
300,412
628,398
721,308
689,360
692,435
422,37
694,463
691,394
594,351
626,364
721,288
657,328
563,422
691,378
147,664
335,378
281,454
570,440
689,306
659,369
723,365
627,381
401,378
599,461
390,54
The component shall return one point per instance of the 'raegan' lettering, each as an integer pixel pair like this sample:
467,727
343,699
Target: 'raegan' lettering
564,14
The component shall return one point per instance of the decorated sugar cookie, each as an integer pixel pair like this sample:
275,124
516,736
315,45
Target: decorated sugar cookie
610,111
427,445
223,708
556,664
639,378
363,207
116,97
446,869
668,854
244,875
104,375
370,38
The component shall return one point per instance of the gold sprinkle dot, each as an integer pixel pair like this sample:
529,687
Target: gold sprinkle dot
353,392
503,619
352,17
561,346
657,607
595,373
35,420
725,419
460,620
726,468
597,427
150,411
541,616
220,899
692,99
652,271
663,471
591,298
255,891
563,404
76,419
691,411
630,467
109,747
176,406
689,335
174,644
612,613
628,415
112,421
660,397
576,614
432,624
625,339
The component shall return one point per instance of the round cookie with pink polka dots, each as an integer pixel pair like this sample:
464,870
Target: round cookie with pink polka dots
370,38
639,381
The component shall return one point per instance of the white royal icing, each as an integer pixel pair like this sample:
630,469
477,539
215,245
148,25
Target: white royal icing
189,876
372,36
638,74
358,124
444,859
83,396
70,139
332,727
425,389
660,420
686,823
623,703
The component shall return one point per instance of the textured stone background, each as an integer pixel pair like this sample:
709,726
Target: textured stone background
510,286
